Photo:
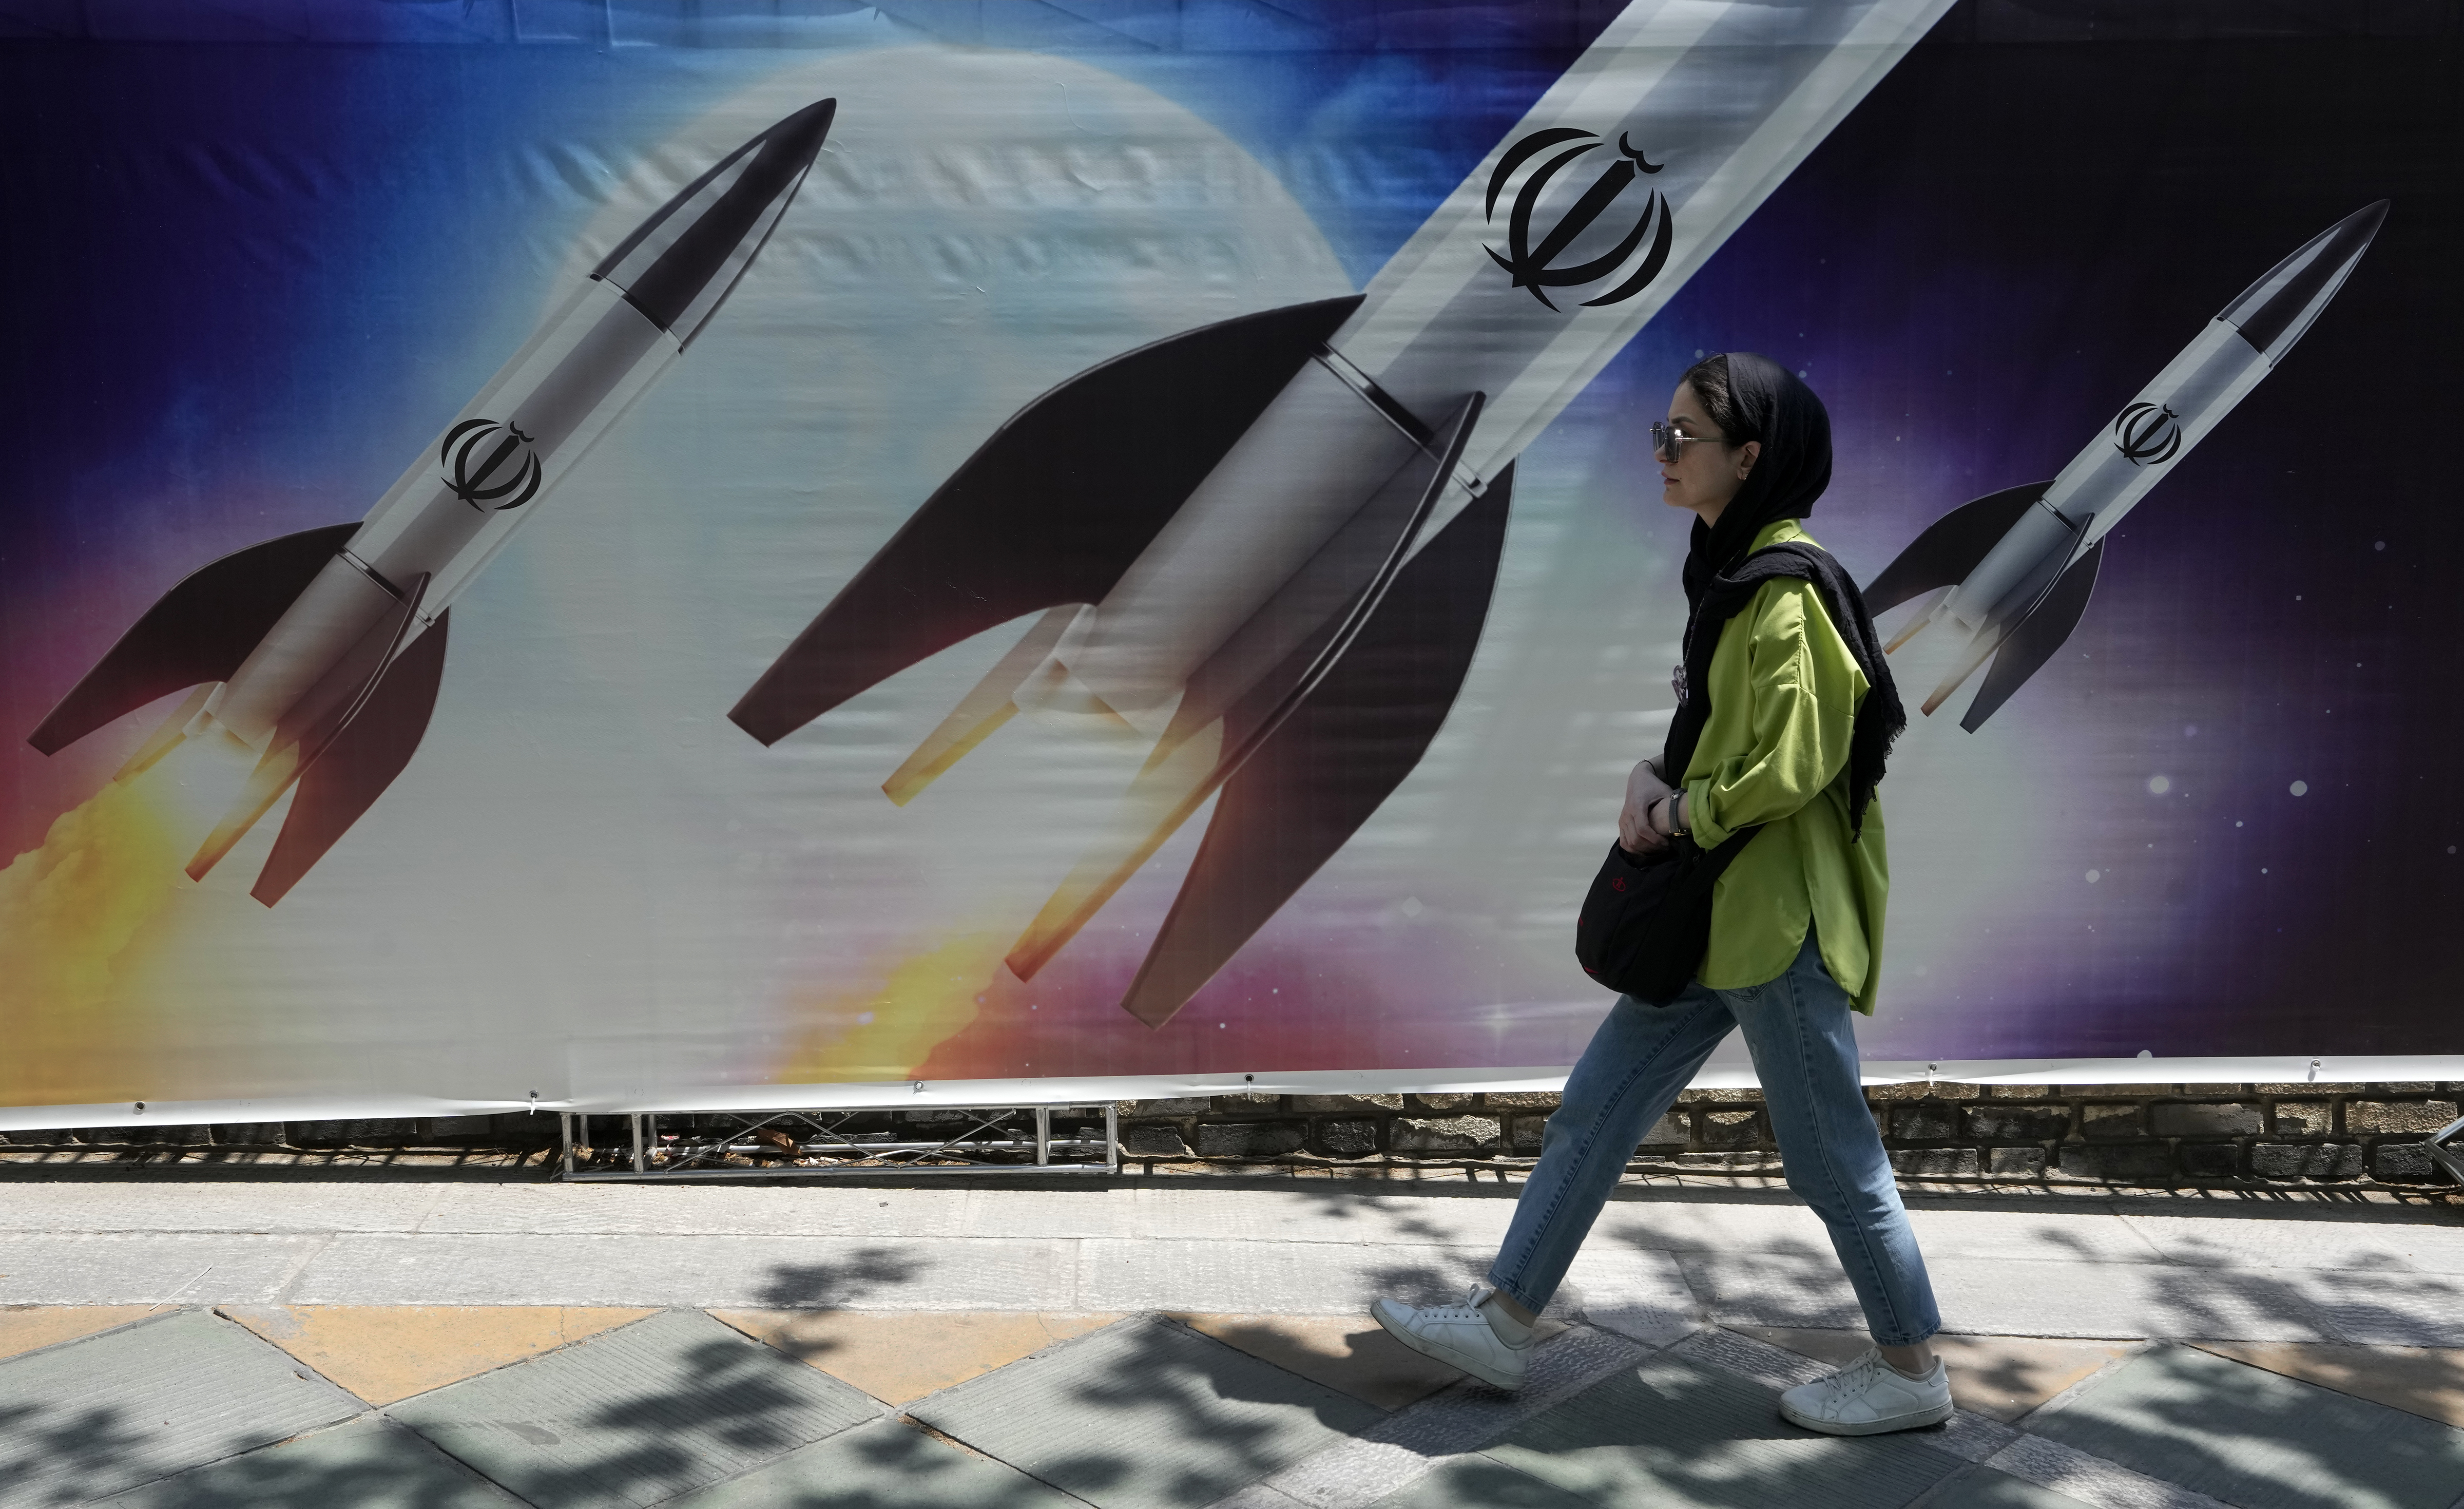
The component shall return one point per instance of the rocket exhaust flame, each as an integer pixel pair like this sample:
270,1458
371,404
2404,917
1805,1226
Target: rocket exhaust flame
320,652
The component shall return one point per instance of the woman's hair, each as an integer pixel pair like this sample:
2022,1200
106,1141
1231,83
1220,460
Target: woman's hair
1709,380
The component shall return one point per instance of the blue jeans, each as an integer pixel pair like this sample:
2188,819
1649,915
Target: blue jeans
1804,1051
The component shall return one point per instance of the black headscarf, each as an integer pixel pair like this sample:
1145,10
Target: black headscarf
1720,577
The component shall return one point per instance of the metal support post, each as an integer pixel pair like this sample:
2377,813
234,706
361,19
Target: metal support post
564,1132
2444,1156
641,1160
1043,1135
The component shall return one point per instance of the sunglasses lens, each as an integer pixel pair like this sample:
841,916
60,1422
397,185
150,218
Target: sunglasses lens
1663,443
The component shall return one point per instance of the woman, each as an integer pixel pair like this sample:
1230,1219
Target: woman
1785,712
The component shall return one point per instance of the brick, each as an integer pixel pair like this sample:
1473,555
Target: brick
1920,1090
1440,1102
1926,1121
1737,1096
1250,1139
2304,1117
2018,1092
1347,1138
2398,1116
1347,1102
2109,1119
1730,1163
1153,1140
38,1136
1918,1163
1669,1131
2211,1091
2209,1160
1989,1122
1522,1099
143,1136
2405,1162
1248,1100
1175,1106
1733,1129
1525,1133
2305,1161
2029,1162
2213,1118
2124,1163
269,1134
1454,1134
458,1128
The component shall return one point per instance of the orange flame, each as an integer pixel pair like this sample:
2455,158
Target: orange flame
75,915
927,999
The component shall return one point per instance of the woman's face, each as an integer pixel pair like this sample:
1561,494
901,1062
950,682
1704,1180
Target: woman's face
1707,470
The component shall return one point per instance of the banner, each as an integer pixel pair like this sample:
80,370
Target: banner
624,556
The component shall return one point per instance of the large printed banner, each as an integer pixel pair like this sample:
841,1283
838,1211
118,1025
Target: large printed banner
613,555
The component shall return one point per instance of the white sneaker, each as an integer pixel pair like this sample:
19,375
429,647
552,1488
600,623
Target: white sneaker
1868,1397
1459,1335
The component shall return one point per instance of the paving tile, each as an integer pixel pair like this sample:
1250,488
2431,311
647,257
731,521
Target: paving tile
691,1209
110,1412
2092,1480
30,1327
1984,1488
370,1463
1144,1416
1967,1435
886,1465
2378,1309
2422,1380
1672,1431
239,1205
144,1268
1333,1216
2393,1242
386,1353
1481,1483
1356,1357
901,1356
2000,1377
636,1414
731,1272
2256,1438
1284,1279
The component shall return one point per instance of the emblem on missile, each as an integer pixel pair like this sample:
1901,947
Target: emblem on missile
1533,267
1262,551
320,654
2016,568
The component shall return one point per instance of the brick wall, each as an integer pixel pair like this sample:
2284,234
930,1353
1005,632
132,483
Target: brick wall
2137,1135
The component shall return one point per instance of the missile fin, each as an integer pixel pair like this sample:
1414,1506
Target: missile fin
302,735
1333,759
1050,510
2029,646
1951,546
992,703
1222,720
361,761
200,631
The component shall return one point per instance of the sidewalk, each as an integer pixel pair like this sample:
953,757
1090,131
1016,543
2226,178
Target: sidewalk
436,1343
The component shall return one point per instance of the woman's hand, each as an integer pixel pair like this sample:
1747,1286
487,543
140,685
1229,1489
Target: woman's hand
1634,832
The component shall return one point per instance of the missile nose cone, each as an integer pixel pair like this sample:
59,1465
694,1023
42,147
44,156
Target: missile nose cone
683,261
2272,313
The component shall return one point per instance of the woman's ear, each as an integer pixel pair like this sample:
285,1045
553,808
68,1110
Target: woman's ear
1746,456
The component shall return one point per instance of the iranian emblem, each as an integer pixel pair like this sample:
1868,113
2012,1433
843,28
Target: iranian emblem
1535,266
2150,434
488,465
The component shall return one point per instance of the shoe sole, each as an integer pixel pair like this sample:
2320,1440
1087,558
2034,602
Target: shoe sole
1899,1422
1471,1365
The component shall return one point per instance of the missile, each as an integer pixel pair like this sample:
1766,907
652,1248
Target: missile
318,654
1264,549
2014,568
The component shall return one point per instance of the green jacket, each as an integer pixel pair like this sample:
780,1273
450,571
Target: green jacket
1784,695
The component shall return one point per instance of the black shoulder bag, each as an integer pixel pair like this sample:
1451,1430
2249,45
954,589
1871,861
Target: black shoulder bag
1645,925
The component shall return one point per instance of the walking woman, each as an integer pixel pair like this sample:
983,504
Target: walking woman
1785,712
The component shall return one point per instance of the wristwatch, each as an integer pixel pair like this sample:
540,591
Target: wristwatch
1674,812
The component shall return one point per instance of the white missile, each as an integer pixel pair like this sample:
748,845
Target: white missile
320,654
2019,566
1268,545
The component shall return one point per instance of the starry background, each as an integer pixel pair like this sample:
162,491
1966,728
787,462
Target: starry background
259,251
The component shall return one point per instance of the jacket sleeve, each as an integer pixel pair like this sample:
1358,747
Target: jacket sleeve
1803,687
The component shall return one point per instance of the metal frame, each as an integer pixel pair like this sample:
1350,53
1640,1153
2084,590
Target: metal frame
806,1143
2451,1158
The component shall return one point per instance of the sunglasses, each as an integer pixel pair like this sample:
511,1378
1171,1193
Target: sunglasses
1669,442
